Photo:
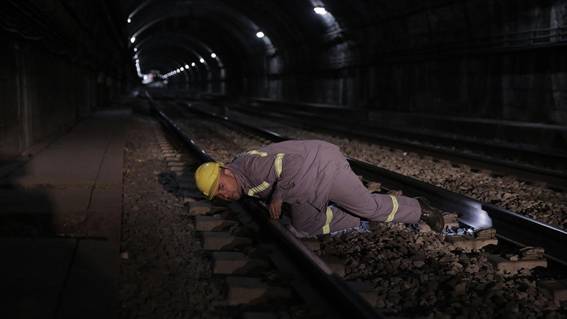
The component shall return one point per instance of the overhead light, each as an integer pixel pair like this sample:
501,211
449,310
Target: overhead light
135,49
187,66
320,10
132,39
129,20
193,64
202,60
259,34
213,55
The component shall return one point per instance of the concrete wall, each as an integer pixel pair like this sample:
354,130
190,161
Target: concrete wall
497,59
43,95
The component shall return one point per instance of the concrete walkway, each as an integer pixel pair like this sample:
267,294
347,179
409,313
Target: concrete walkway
60,218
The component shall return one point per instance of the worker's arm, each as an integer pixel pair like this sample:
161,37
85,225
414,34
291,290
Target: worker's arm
284,183
275,208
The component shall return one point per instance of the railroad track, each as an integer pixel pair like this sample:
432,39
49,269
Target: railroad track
245,287
511,226
538,201
444,200
497,163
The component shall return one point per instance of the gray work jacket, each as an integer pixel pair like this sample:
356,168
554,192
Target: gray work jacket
299,171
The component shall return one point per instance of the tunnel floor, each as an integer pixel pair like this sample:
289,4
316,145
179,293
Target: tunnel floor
97,225
167,273
60,224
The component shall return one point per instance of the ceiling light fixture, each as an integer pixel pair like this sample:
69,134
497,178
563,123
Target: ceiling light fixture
320,10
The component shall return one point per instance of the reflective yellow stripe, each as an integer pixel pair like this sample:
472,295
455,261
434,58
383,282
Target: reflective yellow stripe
259,153
278,164
259,188
327,227
395,207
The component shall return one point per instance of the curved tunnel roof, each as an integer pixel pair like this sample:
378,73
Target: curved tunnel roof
196,29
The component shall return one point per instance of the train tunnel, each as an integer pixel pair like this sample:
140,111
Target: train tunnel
362,159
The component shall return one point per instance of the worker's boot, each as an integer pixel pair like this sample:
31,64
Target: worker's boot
432,216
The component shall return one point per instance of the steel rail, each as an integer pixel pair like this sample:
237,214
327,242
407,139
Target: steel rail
526,171
346,301
358,118
510,226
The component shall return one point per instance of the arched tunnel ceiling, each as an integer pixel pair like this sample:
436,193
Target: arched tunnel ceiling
178,46
280,22
178,39
208,22
299,37
192,17
172,60
183,33
226,27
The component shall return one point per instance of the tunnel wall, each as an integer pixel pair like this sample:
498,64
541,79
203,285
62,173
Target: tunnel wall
491,59
43,95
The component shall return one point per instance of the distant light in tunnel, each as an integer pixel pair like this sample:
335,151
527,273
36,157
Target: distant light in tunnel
260,34
132,39
186,66
320,10
193,64
129,20
202,60
135,49
213,55
138,68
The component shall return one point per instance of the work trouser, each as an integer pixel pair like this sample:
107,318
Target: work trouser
350,201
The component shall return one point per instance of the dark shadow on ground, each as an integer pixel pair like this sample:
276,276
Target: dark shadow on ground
25,211
26,217
43,273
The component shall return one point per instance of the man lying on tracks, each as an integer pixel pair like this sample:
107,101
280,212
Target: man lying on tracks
315,179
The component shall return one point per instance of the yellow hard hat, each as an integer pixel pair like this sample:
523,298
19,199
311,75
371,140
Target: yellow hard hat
207,178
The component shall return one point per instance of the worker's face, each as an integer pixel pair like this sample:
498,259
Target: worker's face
228,188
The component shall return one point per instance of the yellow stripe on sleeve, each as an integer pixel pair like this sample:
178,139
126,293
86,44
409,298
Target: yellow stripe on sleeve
329,219
258,189
394,211
278,164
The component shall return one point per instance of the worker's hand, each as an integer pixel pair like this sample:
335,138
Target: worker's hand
275,208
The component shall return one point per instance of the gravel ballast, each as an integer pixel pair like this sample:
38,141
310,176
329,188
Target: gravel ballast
534,201
415,274
164,273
